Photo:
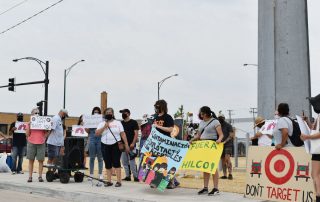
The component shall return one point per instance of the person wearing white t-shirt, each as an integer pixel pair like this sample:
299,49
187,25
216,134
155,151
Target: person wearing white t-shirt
111,132
263,139
284,127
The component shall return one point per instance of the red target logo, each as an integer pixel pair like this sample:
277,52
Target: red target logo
279,166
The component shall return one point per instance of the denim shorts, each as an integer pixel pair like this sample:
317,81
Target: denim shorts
53,151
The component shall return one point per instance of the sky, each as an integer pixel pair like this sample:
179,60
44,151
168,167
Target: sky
130,45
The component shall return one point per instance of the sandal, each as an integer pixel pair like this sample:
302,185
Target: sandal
118,184
30,179
40,179
108,184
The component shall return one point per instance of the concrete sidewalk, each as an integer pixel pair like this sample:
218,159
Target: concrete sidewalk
87,191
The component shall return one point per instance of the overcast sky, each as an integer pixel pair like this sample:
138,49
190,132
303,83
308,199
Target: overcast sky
130,45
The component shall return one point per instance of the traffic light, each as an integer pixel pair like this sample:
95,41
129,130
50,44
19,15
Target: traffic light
11,84
39,105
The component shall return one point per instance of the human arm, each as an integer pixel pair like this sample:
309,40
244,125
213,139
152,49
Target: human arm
124,139
305,137
100,129
220,134
284,138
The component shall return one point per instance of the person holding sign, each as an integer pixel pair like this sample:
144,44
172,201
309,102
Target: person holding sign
56,137
36,146
19,142
95,147
164,123
263,138
209,129
112,134
284,127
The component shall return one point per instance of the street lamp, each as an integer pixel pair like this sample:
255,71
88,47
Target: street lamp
161,82
46,79
66,73
250,65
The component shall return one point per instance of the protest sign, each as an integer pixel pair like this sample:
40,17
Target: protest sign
92,121
79,131
21,127
268,127
161,157
203,156
41,123
279,175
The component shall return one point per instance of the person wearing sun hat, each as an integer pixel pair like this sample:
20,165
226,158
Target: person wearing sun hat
263,139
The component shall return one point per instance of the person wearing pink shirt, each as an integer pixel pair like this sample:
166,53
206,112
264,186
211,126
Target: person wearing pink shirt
36,146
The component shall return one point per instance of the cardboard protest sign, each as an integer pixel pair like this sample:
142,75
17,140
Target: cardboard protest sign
78,131
268,127
161,157
21,127
41,123
279,175
92,121
203,156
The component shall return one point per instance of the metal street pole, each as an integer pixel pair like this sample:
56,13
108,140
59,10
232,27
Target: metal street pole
158,90
161,82
46,89
66,73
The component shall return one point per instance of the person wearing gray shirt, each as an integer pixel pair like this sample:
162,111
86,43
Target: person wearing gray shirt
209,129
55,140
283,128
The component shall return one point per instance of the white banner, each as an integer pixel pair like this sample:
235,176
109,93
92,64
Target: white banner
21,127
79,131
41,123
91,121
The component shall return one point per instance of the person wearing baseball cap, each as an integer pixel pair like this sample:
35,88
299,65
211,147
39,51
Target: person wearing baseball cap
131,129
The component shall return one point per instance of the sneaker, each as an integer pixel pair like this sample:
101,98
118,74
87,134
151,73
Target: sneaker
13,172
230,177
127,179
223,177
214,192
20,172
170,186
136,179
203,191
89,179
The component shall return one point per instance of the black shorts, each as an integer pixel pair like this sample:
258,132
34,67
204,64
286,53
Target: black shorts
226,150
112,156
315,157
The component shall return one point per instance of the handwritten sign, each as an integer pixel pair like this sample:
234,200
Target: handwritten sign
268,127
92,121
21,127
79,131
41,123
279,175
203,156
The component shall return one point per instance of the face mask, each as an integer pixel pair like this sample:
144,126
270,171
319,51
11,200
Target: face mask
20,119
276,116
62,118
108,117
124,116
95,113
200,117
221,120
157,110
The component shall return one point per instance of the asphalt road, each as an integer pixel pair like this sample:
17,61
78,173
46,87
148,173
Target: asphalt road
13,196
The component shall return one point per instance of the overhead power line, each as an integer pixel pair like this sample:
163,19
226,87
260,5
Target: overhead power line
23,21
13,7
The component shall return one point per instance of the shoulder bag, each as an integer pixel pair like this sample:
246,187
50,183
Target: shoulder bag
120,143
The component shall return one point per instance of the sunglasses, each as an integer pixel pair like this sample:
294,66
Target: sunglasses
36,113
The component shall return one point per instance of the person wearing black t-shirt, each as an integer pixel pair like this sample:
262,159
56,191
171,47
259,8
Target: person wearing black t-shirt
131,129
19,143
164,123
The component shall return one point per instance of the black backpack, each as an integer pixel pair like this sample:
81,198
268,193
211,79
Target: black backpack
296,133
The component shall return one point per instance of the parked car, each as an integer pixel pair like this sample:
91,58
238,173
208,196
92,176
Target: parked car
5,145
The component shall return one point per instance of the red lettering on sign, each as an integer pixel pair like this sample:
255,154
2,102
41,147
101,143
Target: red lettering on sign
282,193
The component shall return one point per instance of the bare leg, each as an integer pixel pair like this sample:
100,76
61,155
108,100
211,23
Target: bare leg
206,177
215,179
109,171
228,164
118,173
316,176
40,168
224,166
30,167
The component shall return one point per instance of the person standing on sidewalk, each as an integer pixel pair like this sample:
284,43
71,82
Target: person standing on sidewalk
95,148
112,132
131,129
209,129
55,140
228,136
19,142
36,146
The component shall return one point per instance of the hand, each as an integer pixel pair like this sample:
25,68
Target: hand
127,148
106,125
278,146
14,128
218,141
132,146
304,137
62,151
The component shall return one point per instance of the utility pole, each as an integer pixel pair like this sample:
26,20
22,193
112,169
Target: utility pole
253,110
230,113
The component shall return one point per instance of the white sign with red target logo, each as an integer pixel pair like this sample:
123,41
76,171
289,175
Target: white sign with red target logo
279,175
20,127
79,131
